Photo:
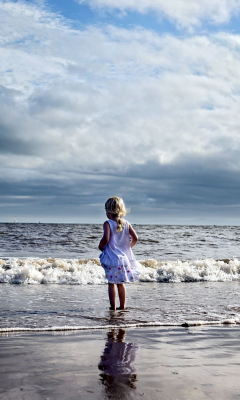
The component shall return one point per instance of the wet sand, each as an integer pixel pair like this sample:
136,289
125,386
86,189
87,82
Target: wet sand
142,363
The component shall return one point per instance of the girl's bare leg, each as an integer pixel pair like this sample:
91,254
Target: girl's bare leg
122,295
112,295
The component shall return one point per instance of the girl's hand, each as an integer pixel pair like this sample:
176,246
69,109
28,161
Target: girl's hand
106,236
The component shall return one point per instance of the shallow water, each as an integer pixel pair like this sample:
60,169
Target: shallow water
44,306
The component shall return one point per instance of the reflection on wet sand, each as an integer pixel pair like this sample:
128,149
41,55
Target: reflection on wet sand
118,373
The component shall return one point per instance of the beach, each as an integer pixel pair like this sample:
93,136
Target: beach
166,363
177,339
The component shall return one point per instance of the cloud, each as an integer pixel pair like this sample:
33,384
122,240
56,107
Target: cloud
157,194
184,13
84,113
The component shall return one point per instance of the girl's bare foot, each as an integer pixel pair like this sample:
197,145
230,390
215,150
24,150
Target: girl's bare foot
120,308
112,308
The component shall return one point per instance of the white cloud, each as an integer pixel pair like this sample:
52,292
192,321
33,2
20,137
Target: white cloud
86,100
185,13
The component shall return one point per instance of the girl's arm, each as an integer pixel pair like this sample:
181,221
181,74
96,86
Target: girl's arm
133,235
106,236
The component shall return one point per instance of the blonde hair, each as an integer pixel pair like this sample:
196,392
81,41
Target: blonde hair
116,207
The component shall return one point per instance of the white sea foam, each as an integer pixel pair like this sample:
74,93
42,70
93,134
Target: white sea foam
139,325
89,271
190,271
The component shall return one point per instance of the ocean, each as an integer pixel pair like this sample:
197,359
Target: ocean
51,278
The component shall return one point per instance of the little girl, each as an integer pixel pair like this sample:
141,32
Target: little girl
117,257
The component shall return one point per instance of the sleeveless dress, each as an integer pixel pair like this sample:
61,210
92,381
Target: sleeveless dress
117,257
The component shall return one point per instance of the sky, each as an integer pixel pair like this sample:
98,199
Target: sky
133,98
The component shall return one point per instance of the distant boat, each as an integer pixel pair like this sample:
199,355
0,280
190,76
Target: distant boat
15,221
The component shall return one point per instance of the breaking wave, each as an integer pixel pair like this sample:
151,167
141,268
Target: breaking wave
89,271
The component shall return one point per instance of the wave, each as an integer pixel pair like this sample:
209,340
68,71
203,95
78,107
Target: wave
123,326
89,271
191,271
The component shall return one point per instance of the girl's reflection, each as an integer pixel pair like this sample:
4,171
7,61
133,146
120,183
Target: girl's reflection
118,374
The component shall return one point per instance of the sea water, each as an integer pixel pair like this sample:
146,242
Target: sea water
51,278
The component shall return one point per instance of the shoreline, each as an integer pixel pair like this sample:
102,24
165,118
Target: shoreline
186,324
150,363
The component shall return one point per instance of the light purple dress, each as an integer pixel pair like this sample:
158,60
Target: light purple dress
117,257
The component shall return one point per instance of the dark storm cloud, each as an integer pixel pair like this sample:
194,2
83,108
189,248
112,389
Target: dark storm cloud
21,133
15,145
190,182
150,187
